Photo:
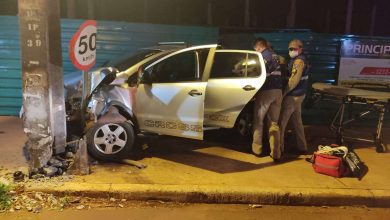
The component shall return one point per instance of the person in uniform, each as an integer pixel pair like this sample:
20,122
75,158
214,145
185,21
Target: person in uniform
283,66
294,94
268,102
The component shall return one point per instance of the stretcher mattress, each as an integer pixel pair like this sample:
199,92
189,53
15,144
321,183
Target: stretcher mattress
347,91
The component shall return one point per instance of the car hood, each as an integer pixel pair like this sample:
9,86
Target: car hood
73,82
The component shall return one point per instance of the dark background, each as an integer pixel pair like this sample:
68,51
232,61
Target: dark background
324,16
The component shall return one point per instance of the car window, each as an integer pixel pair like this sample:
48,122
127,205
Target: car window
253,65
178,68
235,64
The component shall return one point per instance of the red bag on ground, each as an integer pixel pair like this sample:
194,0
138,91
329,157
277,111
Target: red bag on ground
329,165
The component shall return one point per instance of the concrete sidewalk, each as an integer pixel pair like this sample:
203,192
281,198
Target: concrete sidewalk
221,170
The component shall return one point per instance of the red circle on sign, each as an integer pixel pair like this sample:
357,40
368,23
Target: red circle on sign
72,45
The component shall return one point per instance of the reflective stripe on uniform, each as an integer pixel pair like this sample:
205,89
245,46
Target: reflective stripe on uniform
275,73
305,77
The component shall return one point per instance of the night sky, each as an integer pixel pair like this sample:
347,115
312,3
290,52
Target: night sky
325,16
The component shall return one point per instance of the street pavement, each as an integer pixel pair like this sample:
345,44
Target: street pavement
205,211
217,170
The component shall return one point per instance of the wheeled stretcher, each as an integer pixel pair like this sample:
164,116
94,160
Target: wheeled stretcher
372,101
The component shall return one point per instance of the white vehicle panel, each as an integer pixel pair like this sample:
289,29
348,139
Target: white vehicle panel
169,109
227,97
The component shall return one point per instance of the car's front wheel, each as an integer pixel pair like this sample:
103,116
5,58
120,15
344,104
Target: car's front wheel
111,141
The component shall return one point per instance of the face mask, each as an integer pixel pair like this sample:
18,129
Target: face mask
293,53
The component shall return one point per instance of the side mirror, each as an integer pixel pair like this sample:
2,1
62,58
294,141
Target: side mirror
109,78
134,80
108,70
145,77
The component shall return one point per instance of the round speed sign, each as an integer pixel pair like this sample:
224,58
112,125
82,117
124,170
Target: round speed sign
82,46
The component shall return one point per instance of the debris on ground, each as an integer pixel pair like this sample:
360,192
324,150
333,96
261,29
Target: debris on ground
18,176
80,207
134,163
75,200
31,201
35,202
255,206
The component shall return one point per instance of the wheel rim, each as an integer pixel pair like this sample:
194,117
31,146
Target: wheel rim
245,125
110,138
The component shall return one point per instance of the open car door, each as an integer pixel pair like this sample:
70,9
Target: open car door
234,79
170,98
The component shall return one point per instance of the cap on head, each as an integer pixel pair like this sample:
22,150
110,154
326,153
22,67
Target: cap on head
295,44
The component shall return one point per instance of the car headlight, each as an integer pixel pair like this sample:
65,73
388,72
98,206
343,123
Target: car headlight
96,105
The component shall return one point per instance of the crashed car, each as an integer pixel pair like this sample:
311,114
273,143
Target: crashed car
173,90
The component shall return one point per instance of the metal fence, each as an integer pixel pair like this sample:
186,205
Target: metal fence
113,39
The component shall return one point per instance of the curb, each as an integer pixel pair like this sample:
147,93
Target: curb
224,194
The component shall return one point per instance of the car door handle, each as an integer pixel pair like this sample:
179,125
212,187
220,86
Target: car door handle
194,92
248,88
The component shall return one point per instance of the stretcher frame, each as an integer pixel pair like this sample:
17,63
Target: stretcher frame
346,100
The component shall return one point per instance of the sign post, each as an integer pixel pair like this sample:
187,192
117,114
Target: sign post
82,52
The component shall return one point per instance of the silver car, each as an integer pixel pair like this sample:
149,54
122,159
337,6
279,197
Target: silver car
166,90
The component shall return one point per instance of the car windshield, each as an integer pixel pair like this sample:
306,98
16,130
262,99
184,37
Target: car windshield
122,63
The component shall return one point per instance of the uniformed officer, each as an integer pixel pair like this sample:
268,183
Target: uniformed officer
268,102
283,66
294,94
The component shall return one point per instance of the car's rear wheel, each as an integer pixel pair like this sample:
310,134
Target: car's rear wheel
244,123
111,141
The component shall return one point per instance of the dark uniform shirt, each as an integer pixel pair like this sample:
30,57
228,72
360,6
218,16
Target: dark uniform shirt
272,66
299,66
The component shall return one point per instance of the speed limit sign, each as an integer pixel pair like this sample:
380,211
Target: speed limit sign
82,46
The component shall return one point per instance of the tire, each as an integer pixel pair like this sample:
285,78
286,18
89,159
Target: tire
111,141
244,124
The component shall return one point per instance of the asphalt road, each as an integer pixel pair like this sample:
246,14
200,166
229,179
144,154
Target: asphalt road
170,211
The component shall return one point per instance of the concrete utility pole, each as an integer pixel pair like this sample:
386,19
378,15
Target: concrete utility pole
247,21
348,22
290,23
42,79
